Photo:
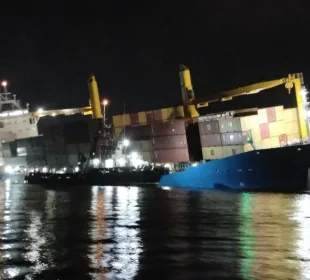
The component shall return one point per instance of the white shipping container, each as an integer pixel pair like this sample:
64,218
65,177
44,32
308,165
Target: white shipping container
262,116
277,128
292,128
290,115
249,122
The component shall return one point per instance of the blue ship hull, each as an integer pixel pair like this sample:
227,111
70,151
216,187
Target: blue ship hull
280,169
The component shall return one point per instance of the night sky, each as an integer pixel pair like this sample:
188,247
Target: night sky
135,47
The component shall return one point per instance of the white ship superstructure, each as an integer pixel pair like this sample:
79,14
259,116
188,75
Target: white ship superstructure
15,122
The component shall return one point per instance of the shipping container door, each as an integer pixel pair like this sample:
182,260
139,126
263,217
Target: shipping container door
211,140
283,139
271,114
276,128
142,117
264,131
262,116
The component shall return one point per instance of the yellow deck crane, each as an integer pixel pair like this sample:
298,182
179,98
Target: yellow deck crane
94,109
292,81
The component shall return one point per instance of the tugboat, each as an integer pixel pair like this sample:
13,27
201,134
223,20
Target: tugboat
103,147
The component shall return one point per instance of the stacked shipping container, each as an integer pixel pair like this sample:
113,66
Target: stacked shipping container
146,117
144,148
221,138
169,141
270,128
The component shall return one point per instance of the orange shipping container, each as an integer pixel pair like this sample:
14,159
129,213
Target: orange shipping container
276,128
142,118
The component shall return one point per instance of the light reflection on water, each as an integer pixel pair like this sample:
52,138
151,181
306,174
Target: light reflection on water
150,233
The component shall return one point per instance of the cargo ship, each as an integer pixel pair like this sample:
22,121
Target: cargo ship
244,149
283,169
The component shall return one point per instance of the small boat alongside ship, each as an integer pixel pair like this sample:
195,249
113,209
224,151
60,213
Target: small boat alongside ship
101,176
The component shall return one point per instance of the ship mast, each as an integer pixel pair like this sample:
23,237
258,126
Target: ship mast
6,98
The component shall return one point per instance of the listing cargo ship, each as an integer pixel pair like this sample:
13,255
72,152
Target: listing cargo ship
278,169
259,148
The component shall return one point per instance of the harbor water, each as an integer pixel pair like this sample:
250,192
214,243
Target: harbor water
151,233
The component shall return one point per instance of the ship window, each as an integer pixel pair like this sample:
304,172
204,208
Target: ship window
233,151
21,152
1,124
212,152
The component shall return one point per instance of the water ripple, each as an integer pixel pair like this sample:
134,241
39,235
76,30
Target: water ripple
150,233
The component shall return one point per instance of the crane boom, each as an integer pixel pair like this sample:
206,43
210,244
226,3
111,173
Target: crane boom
293,80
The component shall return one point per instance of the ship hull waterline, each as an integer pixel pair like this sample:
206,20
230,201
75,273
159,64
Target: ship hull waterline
284,169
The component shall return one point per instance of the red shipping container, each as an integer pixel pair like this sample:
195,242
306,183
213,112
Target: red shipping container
174,127
138,132
283,139
158,115
209,127
172,155
271,114
134,119
170,142
264,131
211,140
149,116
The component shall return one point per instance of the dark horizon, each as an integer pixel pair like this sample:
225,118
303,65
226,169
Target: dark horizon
134,49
